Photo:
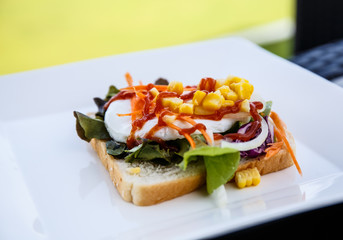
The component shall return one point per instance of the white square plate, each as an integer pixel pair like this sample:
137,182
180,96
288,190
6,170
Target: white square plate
53,186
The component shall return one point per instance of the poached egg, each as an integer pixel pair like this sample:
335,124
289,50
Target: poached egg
119,127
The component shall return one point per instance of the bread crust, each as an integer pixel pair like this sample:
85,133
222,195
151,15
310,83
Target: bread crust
150,194
279,161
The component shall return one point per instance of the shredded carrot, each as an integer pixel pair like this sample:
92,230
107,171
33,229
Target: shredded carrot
278,122
190,140
145,87
136,107
280,132
124,114
186,135
139,93
158,87
131,88
273,149
204,133
128,114
137,103
134,101
129,79
161,87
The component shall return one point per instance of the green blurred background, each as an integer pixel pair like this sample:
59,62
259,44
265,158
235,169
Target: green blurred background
42,33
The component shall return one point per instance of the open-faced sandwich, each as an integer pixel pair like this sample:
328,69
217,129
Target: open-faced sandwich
163,140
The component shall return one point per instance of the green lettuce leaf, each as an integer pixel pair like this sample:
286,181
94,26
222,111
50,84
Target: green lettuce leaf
268,108
152,151
88,128
148,151
116,149
171,151
112,90
221,164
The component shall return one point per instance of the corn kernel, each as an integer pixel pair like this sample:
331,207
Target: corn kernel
231,96
186,108
154,91
232,79
243,89
228,103
240,180
245,106
132,171
169,118
213,101
198,97
200,110
219,83
248,177
217,92
173,103
175,86
224,90
256,177
221,96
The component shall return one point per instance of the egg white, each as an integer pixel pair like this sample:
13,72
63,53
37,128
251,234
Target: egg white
119,128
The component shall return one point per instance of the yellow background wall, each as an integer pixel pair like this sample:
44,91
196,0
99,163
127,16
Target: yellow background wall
41,33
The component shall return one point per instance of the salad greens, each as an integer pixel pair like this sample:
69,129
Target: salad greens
116,149
88,128
148,150
220,163
267,109
112,90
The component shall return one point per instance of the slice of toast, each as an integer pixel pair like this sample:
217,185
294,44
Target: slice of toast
154,183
